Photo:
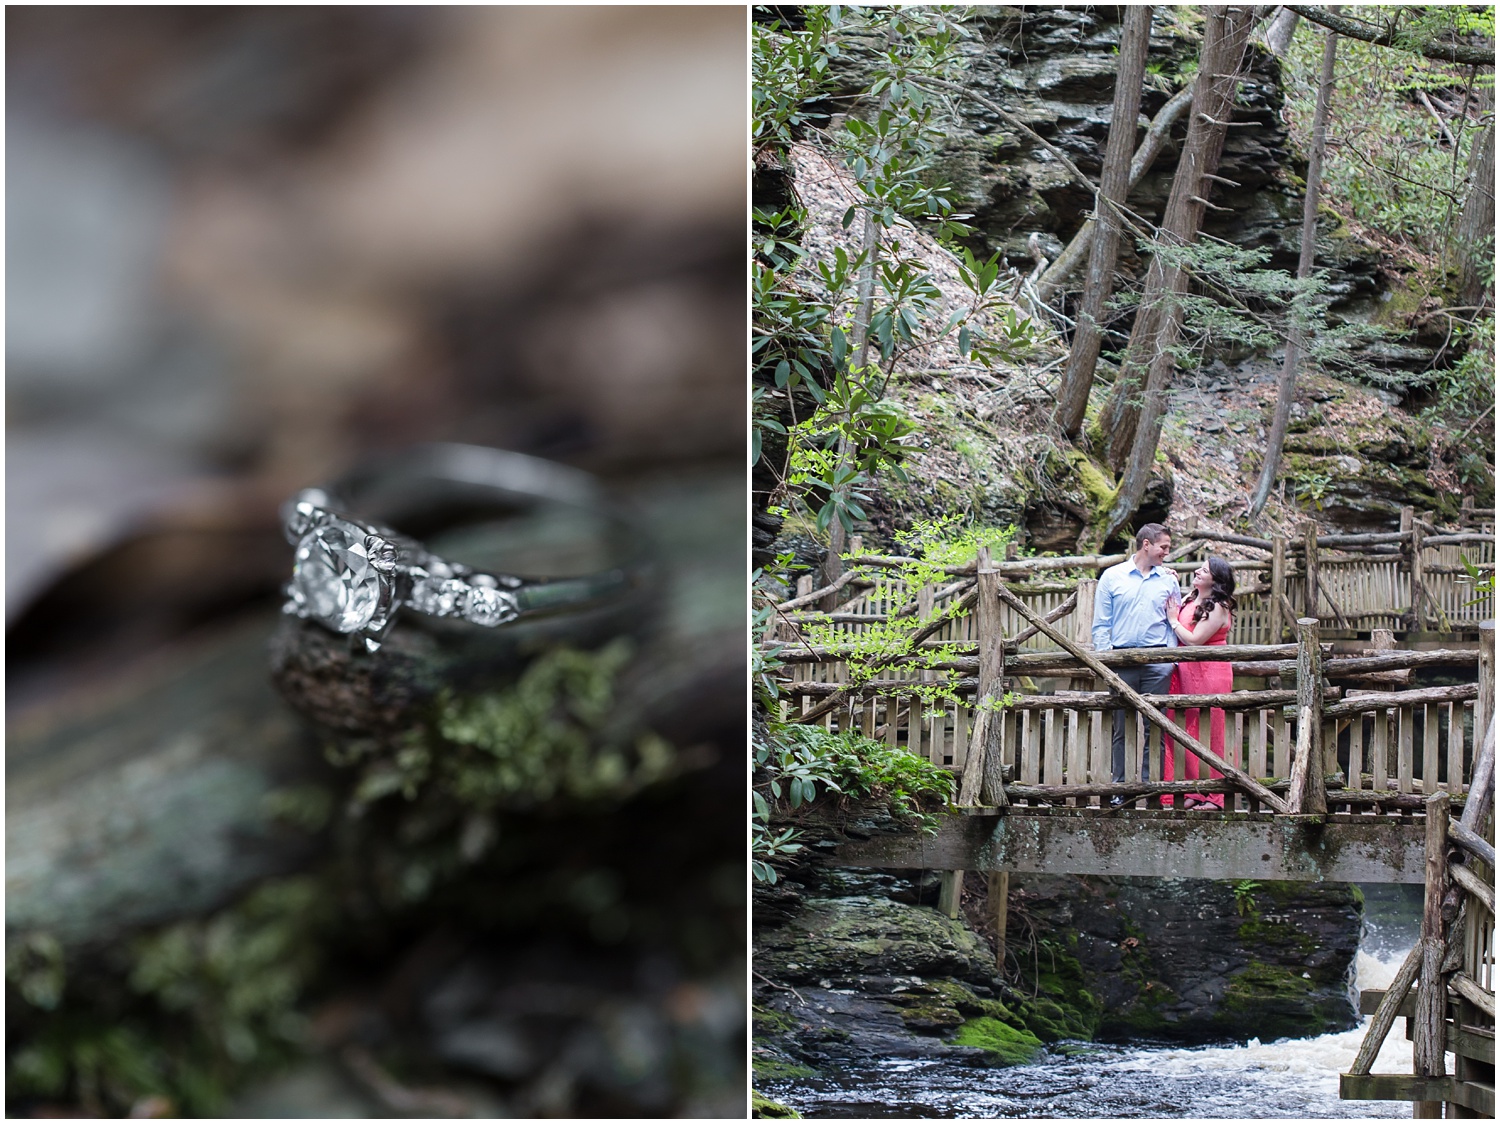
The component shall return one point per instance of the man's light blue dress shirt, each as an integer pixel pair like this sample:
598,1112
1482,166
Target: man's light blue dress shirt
1130,608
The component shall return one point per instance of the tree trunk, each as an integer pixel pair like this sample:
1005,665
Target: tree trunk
1134,429
1152,143
1295,344
1475,236
1114,184
1279,35
838,541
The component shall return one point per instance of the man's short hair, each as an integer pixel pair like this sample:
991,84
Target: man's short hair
1152,532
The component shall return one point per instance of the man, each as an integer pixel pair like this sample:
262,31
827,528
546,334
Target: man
1130,611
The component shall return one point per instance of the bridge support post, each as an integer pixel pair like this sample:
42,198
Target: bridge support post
950,893
1428,1038
1308,795
1000,911
981,780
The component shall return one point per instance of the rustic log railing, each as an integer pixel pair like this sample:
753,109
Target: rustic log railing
1452,1008
1399,580
1361,750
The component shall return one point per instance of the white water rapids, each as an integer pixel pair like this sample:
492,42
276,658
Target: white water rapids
1284,1079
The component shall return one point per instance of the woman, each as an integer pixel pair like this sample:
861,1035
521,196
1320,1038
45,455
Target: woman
1203,617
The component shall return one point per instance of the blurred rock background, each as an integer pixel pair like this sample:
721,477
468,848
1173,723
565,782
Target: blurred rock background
248,246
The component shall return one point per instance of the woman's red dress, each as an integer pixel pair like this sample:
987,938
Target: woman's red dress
1207,678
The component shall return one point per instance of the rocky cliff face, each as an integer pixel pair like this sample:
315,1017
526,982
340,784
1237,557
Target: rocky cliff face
853,965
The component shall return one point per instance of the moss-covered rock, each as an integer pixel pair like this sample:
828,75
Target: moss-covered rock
1005,1044
764,1108
840,938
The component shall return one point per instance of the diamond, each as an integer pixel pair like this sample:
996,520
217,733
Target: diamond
489,607
438,597
333,581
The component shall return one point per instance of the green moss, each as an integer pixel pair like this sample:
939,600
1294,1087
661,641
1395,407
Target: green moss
195,1009
1005,1044
768,1066
764,1108
1261,985
549,735
767,1021
1062,1007
1095,482
1255,931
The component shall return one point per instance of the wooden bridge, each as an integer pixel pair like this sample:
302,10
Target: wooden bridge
1335,767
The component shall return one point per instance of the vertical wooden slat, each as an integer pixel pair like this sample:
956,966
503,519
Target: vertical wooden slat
1403,748
1052,748
1151,739
1431,752
961,717
1234,744
1077,755
1330,747
1132,746
1260,721
1098,752
1281,744
1179,755
1030,746
1455,750
892,711
1378,753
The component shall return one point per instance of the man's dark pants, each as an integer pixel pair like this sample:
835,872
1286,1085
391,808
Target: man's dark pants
1148,679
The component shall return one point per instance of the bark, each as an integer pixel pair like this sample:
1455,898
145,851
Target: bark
1133,430
1475,236
1152,143
1073,396
1295,344
1385,36
1279,35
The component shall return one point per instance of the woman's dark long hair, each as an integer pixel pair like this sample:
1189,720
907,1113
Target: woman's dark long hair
1222,592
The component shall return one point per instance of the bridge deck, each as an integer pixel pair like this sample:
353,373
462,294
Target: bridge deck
1159,844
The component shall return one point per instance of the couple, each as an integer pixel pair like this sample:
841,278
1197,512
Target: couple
1139,605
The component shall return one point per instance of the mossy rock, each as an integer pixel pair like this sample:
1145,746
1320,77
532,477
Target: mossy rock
765,1021
766,1064
836,938
764,1108
1063,1006
1004,1044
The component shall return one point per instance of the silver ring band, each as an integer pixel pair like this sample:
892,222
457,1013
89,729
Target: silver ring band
353,575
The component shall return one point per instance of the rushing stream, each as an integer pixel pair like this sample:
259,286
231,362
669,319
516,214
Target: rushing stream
1287,1078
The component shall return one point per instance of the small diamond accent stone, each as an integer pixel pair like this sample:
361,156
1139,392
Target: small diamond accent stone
489,607
333,581
438,597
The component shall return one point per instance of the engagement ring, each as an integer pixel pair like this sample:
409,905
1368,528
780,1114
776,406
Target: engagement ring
354,575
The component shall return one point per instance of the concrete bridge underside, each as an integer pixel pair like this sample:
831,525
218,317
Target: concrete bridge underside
1158,844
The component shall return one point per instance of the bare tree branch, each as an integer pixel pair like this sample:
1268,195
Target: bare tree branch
1387,36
